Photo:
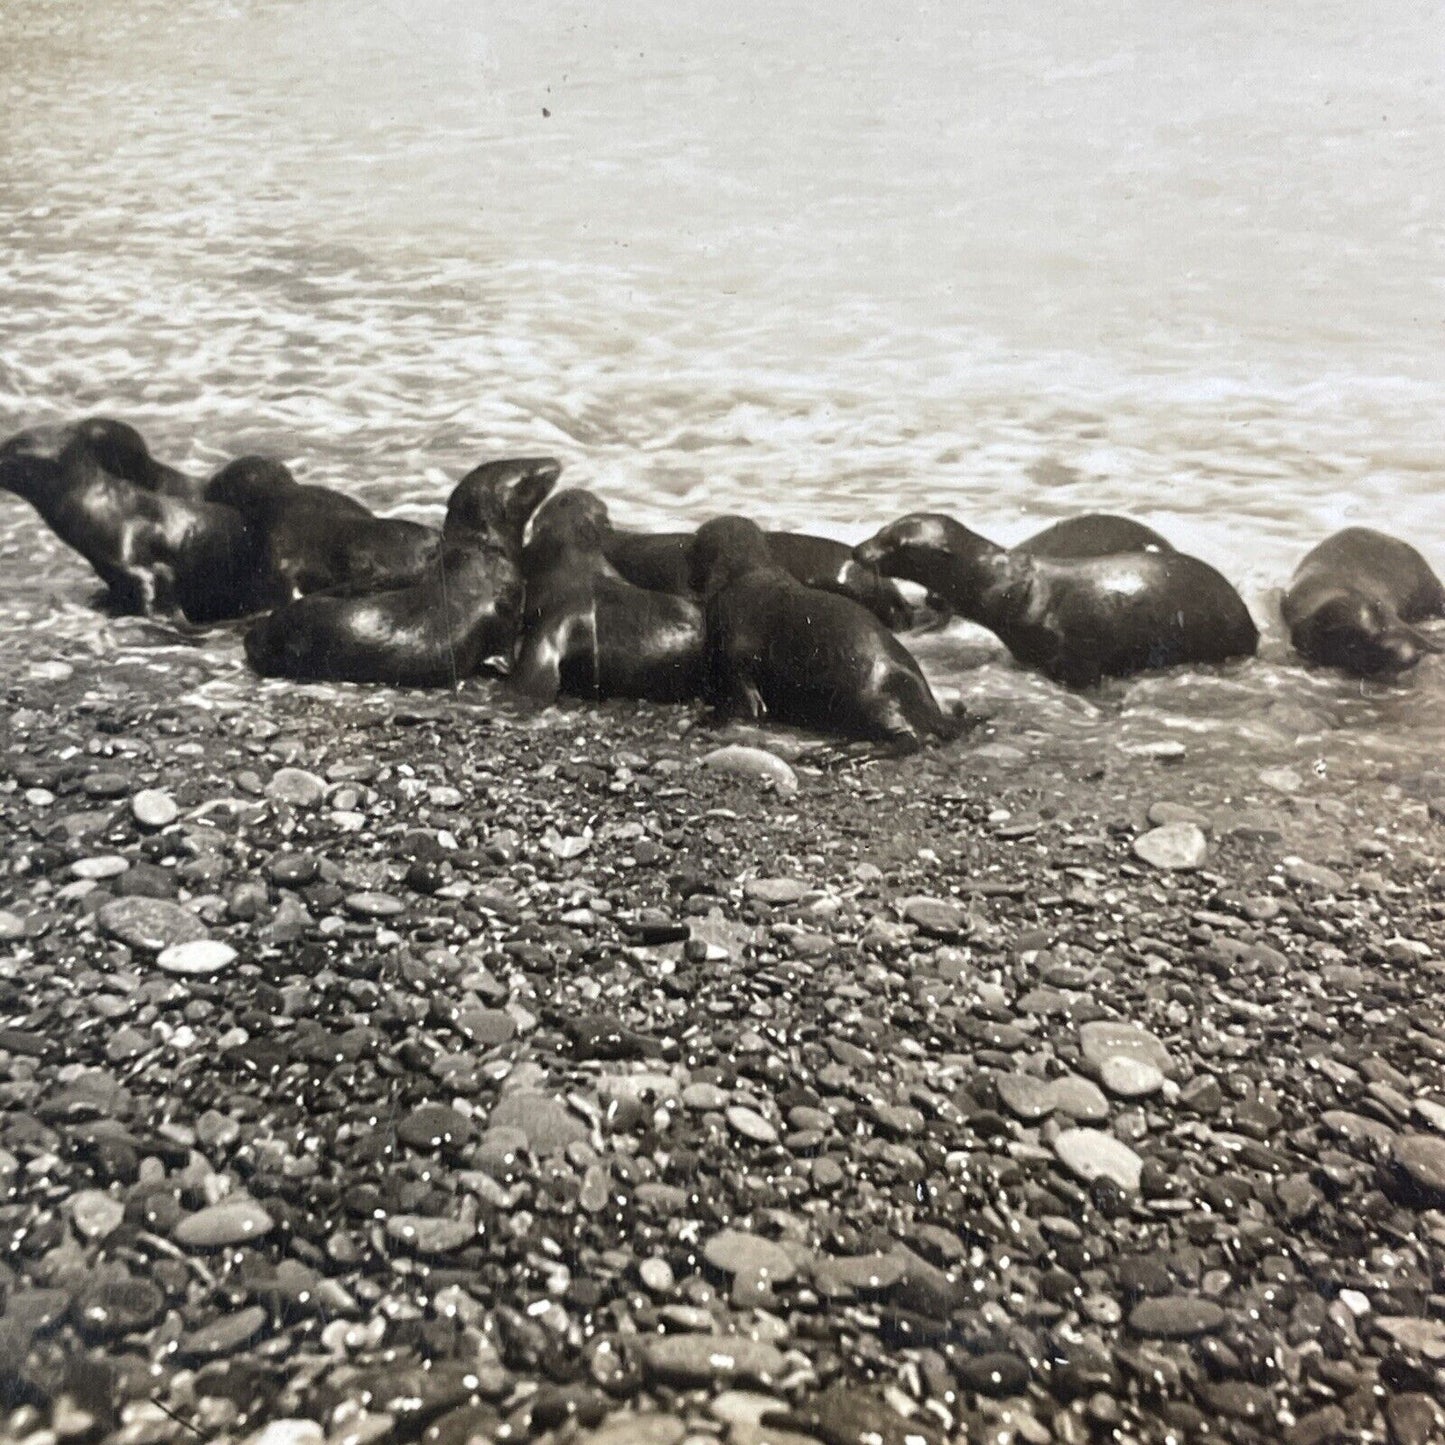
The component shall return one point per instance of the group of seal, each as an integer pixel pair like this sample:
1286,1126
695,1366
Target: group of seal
781,625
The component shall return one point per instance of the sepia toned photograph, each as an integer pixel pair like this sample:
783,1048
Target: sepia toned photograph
723,724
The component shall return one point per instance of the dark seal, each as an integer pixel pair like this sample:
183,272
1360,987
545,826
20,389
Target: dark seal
432,633
777,648
1351,601
140,524
1093,534
659,562
316,539
587,631
1077,620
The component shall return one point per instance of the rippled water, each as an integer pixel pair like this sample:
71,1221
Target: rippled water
1008,260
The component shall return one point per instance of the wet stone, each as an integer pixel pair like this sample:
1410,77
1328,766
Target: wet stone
1173,846
547,1123
149,924
775,891
756,764
1314,875
751,1125
635,1430
97,869
1130,1078
1358,1131
233,1221
997,1374
1025,1097
485,1027
94,1214
844,1416
427,1235
937,917
687,1361
749,1256
34,1311
1420,1160
1236,1398
858,1274
1091,1154
1106,1038
434,1126
374,905
1080,1099
199,957
224,1336
293,870
296,787
1414,1419
106,785
1418,1336
1176,1317
113,1306
153,808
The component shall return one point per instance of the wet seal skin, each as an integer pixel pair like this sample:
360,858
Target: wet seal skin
315,539
659,562
1077,620
1352,599
1093,534
587,631
143,526
776,648
463,613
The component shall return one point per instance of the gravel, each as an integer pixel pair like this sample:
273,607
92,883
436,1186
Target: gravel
426,1071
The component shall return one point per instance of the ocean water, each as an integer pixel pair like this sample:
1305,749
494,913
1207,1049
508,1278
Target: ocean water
1007,260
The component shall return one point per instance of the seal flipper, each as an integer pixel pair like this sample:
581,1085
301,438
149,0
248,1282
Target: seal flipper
739,698
537,675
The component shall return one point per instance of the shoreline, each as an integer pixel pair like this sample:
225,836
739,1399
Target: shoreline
466,1094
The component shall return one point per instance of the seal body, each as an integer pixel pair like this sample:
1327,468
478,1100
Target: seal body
1093,534
1352,599
315,539
464,610
1077,620
157,546
659,562
775,647
587,631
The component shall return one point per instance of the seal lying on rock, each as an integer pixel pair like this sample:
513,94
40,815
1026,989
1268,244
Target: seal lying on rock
659,562
136,521
432,633
1352,598
588,631
774,647
1078,620
315,539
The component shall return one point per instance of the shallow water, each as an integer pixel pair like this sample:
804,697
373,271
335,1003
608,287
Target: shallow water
1182,261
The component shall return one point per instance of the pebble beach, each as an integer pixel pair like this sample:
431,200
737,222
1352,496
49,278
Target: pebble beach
380,1067
411,1067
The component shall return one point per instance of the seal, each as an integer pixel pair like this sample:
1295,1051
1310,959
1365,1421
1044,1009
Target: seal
1077,620
589,632
157,548
658,561
1094,534
463,612
775,647
315,539
122,451
1352,599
